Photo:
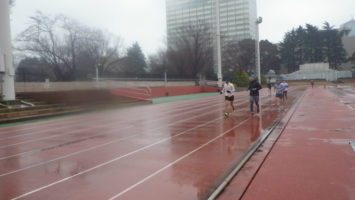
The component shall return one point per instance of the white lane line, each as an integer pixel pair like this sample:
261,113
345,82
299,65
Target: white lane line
105,144
96,121
38,150
91,117
64,123
176,161
113,160
108,162
89,128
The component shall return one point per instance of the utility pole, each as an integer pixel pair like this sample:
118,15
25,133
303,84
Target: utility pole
7,71
257,48
219,53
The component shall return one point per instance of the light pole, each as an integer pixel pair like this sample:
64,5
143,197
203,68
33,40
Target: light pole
6,66
257,48
97,73
219,52
257,53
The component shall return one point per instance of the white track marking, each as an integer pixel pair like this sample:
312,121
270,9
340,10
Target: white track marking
131,153
85,129
176,161
37,150
105,144
116,159
91,117
75,122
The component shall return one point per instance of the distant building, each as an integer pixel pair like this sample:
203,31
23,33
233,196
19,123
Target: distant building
349,40
317,71
237,17
350,25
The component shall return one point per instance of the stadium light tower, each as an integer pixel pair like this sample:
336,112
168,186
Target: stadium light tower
6,62
257,48
219,51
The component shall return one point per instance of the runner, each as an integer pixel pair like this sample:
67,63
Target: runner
279,94
254,87
312,83
284,85
228,91
269,86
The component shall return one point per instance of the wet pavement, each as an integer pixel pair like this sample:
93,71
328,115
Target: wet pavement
178,150
312,159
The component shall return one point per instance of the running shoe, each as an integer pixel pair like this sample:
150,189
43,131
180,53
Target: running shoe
226,114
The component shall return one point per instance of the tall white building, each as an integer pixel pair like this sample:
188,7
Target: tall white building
349,40
237,17
350,25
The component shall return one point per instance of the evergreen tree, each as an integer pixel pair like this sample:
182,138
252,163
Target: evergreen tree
263,79
135,62
333,46
241,78
311,45
288,50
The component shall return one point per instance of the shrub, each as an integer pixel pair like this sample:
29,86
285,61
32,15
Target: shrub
241,78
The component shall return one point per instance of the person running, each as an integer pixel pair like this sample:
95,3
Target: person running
279,94
284,90
254,87
228,90
269,86
312,83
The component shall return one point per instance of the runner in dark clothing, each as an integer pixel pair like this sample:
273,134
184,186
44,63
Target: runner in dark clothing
269,86
254,88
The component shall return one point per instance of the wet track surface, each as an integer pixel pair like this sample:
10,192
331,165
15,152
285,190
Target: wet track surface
313,158
179,150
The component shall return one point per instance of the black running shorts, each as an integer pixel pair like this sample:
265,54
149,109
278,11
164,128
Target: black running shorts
231,98
279,96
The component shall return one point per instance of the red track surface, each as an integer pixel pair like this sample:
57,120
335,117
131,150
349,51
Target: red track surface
311,160
179,150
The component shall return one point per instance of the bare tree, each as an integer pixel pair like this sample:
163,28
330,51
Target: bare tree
104,49
40,39
158,63
192,53
67,46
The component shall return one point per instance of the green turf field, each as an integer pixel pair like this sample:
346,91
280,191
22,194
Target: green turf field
182,97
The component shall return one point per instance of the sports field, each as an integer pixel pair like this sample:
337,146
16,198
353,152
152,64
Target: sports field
177,150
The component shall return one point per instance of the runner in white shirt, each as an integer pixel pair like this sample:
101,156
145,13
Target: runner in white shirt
228,91
284,85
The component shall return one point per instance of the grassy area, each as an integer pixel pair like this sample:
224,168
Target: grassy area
183,97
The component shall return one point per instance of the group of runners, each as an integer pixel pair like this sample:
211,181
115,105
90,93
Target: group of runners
281,89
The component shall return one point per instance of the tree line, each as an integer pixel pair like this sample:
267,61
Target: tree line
62,49
310,44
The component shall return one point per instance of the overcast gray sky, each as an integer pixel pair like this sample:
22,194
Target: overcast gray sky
144,20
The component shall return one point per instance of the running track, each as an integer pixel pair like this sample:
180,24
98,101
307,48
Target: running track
179,150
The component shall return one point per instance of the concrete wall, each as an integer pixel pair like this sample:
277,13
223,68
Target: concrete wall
315,67
70,86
